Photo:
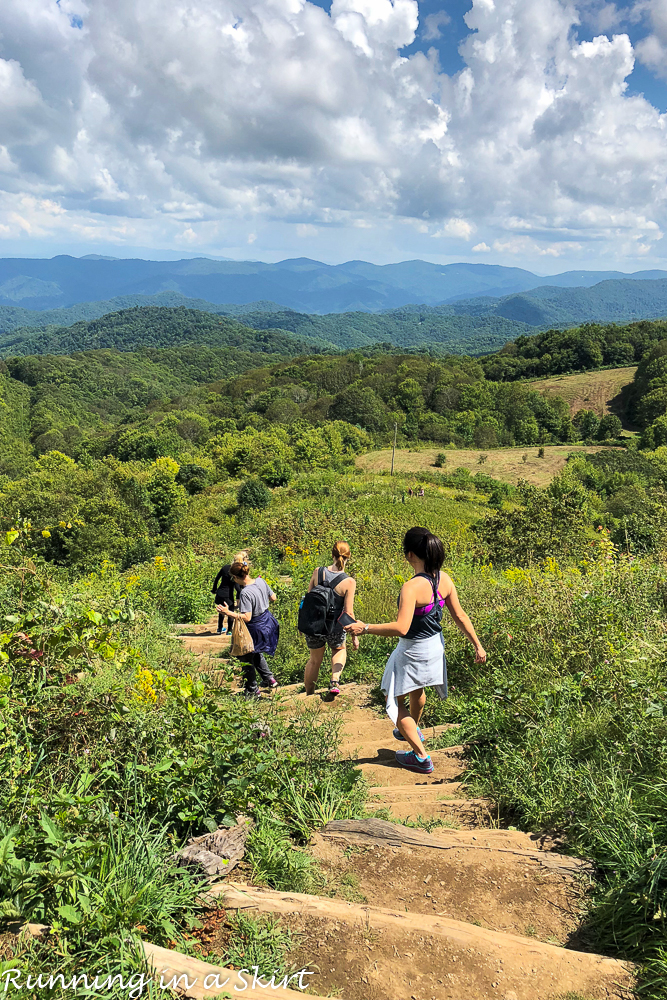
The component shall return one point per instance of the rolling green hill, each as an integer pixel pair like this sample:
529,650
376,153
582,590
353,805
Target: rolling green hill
152,326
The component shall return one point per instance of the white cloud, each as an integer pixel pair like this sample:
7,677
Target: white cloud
460,228
433,23
206,121
652,50
481,248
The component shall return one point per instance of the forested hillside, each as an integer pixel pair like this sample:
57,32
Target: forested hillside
152,326
166,325
557,352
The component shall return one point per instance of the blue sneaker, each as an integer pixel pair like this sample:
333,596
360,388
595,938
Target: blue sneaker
411,762
398,735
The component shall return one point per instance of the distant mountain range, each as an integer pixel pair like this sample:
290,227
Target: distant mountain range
300,284
476,324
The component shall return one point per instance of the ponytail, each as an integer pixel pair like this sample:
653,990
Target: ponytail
341,552
425,546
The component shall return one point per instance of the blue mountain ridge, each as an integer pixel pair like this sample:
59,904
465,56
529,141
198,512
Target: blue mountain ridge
301,284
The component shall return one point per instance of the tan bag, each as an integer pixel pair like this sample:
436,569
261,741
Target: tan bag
241,639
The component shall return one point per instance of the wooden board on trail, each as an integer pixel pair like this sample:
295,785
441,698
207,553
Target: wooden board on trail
201,980
378,831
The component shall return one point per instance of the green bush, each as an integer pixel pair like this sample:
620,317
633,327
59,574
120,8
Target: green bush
253,494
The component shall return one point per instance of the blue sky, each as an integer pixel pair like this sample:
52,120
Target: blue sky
522,132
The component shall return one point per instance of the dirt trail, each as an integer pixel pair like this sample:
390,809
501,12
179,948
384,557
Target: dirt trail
467,911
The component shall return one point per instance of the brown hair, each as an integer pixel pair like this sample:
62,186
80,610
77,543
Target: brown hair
341,552
239,568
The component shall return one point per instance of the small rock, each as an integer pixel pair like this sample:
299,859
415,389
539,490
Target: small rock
427,879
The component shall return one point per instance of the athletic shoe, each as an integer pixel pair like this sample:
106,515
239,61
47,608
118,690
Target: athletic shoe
272,683
411,762
252,693
334,689
221,631
398,735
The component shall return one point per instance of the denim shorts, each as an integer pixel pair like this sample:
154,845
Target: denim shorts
335,639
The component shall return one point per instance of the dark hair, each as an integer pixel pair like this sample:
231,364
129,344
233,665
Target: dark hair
425,546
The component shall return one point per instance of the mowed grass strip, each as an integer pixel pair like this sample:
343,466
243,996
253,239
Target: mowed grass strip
506,464
589,390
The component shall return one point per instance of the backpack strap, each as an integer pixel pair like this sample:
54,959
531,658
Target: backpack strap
336,580
320,576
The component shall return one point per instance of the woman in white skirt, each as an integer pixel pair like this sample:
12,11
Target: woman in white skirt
419,660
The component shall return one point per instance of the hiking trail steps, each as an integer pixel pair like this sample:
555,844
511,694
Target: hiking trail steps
468,911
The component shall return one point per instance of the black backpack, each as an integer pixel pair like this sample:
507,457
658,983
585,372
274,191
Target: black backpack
317,609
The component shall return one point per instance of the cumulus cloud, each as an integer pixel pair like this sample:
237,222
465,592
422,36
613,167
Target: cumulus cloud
460,228
137,120
433,23
652,50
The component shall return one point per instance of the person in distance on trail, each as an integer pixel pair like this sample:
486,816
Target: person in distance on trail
226,592
254,601
333,634
418,660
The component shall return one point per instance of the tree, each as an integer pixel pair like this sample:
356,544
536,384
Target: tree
551,522
587,423
360,405
610,427
253,494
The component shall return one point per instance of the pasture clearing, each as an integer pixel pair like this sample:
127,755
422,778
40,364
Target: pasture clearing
601,392
506,464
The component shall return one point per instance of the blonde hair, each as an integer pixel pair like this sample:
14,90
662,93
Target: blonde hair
341,552
242,557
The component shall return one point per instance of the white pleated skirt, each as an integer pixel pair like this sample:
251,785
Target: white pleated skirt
414,664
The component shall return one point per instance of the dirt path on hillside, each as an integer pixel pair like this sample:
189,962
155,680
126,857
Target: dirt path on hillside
467,911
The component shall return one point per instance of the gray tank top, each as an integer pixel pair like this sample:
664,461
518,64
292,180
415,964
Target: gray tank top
339,599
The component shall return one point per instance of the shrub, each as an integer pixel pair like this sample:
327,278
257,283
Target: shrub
610,427
254,494
440,460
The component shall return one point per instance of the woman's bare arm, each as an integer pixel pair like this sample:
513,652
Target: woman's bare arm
406,608
349,592
224,610
462,621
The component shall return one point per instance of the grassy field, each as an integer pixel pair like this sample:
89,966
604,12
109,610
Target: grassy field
506,464
598,391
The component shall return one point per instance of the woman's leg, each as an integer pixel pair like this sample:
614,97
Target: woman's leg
417,702
407,724
338,661
249,672
221,622
312,671
263,669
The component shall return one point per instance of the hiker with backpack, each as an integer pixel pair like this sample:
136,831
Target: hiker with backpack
254,601
330,594
418,661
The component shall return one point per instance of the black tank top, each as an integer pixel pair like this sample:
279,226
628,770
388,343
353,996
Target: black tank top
426,621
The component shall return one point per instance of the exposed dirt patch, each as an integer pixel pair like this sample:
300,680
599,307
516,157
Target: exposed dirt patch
367,963
489,889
